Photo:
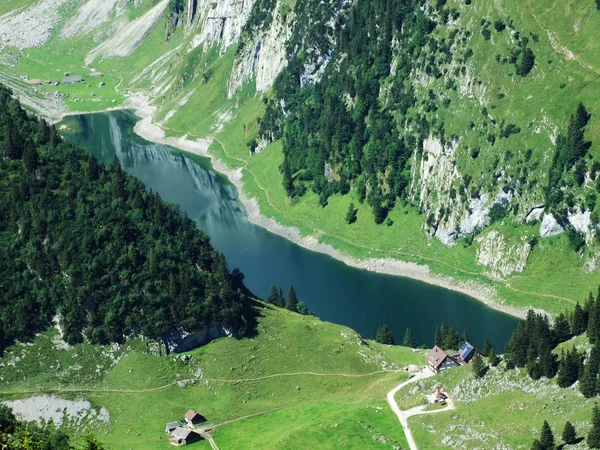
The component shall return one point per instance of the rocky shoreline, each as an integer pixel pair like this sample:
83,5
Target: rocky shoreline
146,129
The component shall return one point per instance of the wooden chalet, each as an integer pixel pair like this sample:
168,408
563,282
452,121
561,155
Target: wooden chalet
439,360
184,436
193,418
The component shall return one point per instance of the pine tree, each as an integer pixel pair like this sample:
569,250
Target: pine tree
273,294
537,445
384,336
548,363
409,340
44,132
351,214
547,437
93,168
518,345
493,357
593,328
464,337
54,137
569,434
452,339
479,368
281,299
31,158
487,346
561,329
579,321
292,300
288,181
593,438
568,368
588,382
438,339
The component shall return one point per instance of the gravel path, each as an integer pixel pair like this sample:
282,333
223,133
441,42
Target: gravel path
418,410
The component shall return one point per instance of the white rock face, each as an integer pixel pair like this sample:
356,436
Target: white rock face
581,221
220,22
29,27
130,36
263,57
91,14
550,226
500,256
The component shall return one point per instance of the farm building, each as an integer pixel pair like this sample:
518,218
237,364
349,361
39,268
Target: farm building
51,82
72,79
170,427
35,82
193,418
95,74
465,354
439,360
184,436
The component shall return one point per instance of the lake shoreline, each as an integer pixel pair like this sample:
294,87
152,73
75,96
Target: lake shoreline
148,130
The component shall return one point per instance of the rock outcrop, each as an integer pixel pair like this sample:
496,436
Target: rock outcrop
502,257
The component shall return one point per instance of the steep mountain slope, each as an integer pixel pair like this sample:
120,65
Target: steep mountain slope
440,122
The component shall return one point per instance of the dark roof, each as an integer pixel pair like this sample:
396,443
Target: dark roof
191,415
437,356
465,350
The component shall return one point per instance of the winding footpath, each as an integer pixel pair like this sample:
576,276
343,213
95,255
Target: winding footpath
417,410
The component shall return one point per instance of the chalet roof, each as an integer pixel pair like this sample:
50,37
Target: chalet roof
181,433
191,415
172,425
96,74
437,356
35,81
465,350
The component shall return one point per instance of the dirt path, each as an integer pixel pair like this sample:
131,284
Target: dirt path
418,410
211,380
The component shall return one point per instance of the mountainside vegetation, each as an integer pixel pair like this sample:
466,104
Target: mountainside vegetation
88,243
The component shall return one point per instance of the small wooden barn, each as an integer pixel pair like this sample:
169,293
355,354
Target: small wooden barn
184,436
193,418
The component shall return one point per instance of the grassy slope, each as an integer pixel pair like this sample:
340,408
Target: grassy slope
333,411
503,410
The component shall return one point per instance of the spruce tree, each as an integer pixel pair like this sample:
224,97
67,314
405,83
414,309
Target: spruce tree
593,438
588,382
31,158
281,299
44,132
478,366
547,437
579,321
451,340
548,363
409,340
464,337
438,339
273,294
93,168
384,336
569,434
487,346
536,445
561,329
351,214
292,300
493,357
593,328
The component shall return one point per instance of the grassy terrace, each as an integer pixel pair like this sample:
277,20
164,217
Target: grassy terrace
300,378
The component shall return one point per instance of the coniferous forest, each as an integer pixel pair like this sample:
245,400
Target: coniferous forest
89,243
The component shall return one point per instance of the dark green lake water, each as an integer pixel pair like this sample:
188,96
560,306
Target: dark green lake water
335,292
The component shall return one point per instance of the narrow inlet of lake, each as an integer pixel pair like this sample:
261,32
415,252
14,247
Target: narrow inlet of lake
335,292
